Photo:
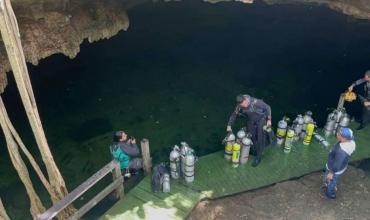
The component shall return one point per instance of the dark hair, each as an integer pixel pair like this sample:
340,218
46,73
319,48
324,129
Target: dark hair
117,135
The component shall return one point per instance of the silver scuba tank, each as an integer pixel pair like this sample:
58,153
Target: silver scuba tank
246,146
298,124
330,124
189,167
281,131
321,140
345,120
339,114
166,187
240,135
175,162
184,150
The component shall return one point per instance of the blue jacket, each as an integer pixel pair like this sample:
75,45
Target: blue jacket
339,156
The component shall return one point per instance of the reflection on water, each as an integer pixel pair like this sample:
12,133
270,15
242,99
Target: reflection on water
174,74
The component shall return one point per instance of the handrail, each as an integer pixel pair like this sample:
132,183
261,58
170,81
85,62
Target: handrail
90,182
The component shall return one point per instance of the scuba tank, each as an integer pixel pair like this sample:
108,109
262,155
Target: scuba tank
229,142
281,130
289,141
185,149
166,183
246,146
338,114
322,140
240,135
309,132
298,126
330,124
236,154
189,163
345,120
307,118
175,162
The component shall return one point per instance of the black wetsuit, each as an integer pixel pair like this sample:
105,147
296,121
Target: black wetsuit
366,110
258,112
132,151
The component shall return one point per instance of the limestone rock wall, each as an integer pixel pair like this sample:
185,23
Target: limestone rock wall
59,26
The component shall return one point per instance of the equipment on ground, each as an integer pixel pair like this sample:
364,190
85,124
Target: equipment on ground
236,154
175,159
298,124
189,163
345,120
289,140
339,113
330,124
281,130
166,183
309,132
158,176
229,142
246,146
321,140
240,135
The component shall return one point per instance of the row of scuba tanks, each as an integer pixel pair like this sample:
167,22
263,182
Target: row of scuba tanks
303,128
182,162
237,148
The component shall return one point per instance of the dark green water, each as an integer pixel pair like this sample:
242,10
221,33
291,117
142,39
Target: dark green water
174,74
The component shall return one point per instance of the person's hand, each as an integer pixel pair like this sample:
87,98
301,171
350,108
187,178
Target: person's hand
350,88
133,141
228,129
330,176
366,103
268,123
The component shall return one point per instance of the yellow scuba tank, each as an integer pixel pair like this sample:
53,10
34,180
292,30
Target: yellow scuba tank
229,142
289,140
236,154
309,133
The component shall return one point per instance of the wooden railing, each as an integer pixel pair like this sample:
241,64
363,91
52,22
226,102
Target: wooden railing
116,187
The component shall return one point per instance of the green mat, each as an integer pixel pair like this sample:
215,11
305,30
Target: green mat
214,178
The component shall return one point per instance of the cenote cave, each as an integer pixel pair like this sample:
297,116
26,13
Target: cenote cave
173,76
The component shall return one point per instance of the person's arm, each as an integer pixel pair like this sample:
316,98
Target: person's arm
356,83
233,118
264,108
130,149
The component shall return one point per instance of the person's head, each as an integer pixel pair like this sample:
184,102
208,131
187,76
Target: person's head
345,135
119,136
367,75
243,100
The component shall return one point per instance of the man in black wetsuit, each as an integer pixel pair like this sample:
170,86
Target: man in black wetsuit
259,115
365,100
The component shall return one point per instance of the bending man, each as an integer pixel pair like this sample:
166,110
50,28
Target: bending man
365,100
259,114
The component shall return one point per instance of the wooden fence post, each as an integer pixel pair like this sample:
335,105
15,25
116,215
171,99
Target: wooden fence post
119,191
145,151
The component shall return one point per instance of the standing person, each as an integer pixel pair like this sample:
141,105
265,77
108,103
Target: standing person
365,100
126,151
338,160
259,115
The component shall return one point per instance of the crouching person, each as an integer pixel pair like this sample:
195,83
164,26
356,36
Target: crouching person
338,160
126,151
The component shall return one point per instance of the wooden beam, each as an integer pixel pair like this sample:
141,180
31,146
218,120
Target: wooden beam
145,151
53,211
88,206
117,174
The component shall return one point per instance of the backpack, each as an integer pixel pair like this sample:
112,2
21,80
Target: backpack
157,177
